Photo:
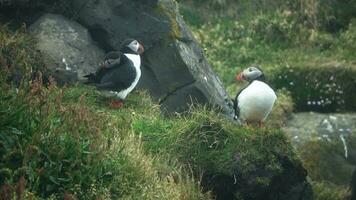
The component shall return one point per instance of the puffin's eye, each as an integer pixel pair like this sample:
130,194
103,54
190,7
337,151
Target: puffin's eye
250,69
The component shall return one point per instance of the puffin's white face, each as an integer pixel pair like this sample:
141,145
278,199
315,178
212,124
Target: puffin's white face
252,73
136,47
249,74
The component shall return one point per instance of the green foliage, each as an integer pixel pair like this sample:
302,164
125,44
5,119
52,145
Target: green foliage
306,48
347,43
328,15
293,54
60,145
329,191
17,54
282,109
324,87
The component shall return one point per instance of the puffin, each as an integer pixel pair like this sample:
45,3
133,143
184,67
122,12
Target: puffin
120,72
255,101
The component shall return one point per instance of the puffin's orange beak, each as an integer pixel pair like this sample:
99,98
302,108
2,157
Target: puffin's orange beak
141,49
240,77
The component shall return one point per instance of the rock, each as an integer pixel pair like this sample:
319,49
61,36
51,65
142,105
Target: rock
353,186
240,163
69,52
175,70
327,144
14,2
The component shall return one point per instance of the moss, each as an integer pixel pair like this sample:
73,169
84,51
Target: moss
170,14
220,151
282,110
325,160
329,191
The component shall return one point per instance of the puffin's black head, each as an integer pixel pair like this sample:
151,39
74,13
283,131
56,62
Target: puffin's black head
131,46
250,74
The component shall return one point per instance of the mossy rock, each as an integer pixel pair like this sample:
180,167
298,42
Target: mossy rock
325,159
234,162
169,10
319,87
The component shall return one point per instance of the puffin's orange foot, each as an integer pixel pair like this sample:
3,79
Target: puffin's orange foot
116,104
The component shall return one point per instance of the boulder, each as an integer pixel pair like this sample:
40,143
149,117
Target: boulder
353,186
327,144
175,70
14,2
69,52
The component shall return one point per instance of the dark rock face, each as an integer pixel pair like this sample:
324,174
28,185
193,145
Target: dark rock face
175,70
353,186
68,49
291,184
14,2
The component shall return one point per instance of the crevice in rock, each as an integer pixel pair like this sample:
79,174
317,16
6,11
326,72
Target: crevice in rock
162,100
100,35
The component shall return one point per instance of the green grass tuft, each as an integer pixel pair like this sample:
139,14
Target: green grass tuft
57,143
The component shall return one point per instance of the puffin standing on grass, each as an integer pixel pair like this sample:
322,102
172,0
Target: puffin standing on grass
120,72
254,102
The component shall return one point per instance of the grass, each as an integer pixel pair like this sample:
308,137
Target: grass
60,143
218,151
329,191
279,42
306,49
65,143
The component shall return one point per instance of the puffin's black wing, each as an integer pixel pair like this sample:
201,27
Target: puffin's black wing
236,101
112,59
118,77
236,104
113,55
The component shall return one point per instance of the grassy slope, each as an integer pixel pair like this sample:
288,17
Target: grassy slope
63,141
60,143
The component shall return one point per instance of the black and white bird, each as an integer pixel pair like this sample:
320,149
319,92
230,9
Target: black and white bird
255,101
120,72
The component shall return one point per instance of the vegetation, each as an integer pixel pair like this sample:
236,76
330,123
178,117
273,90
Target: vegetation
65,143
329,191
60,143
285,38
306,48
222,152
326,160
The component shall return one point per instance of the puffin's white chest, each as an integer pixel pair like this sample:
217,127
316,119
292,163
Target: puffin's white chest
136,59
256,101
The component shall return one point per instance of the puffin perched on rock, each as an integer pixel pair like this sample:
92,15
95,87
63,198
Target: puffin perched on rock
255,101
120,72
